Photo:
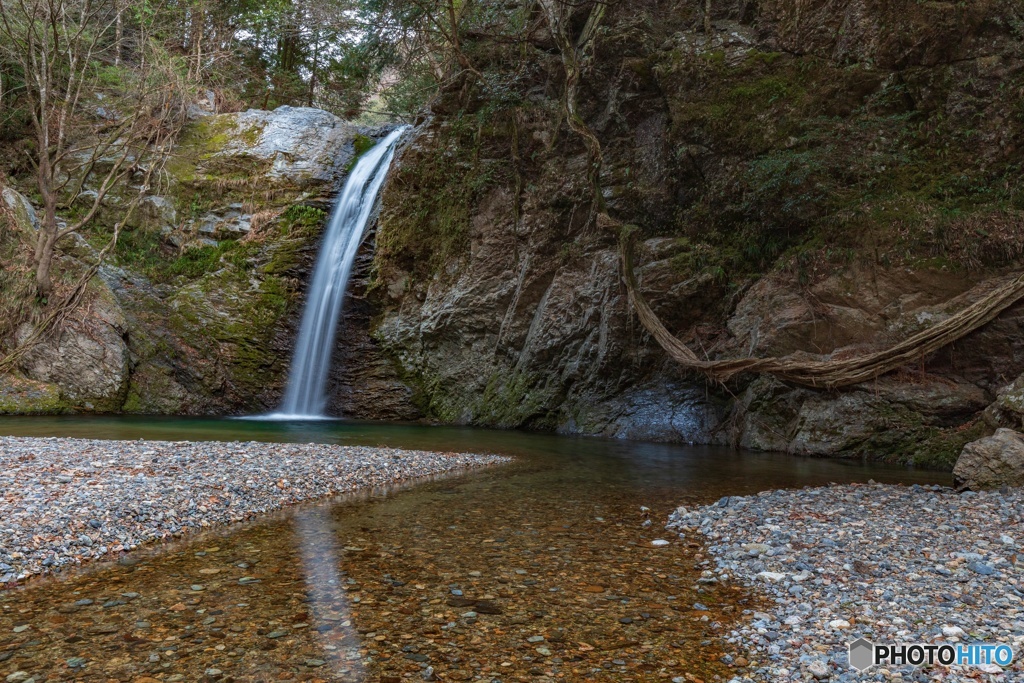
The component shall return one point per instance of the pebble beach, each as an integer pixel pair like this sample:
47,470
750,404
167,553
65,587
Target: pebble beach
893,564
64,502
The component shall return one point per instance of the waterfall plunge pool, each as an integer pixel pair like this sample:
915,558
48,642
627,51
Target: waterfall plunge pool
539,570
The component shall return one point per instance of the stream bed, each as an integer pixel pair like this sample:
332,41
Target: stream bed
541,570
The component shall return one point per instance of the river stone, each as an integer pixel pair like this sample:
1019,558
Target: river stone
991,462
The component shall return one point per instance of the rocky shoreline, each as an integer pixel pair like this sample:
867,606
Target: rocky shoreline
65,502
894,564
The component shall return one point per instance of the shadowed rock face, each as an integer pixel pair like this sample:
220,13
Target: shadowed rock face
364,381
526,324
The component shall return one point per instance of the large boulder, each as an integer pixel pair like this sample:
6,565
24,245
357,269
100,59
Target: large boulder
22,211
994,461
87,358
1008,408
299,146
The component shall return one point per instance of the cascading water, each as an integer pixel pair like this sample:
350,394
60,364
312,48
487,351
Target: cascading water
304,397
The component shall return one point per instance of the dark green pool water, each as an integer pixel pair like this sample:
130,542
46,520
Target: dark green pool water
616,463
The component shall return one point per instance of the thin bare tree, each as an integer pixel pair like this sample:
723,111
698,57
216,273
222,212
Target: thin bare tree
83,150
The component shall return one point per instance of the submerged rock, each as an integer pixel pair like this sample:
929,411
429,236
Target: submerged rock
994,461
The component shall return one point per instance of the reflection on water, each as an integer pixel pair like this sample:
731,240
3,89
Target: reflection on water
538,571
328,602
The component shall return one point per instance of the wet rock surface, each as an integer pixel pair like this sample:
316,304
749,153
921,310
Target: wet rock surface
889,563
69,501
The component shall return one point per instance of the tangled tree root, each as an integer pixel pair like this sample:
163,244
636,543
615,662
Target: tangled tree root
828,374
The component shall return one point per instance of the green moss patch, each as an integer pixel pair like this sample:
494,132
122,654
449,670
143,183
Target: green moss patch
19,396
816,164
362,144
430,198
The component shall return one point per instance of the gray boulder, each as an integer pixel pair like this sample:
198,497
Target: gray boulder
87,358
301,145
155,212
24,213
1008,408
992,462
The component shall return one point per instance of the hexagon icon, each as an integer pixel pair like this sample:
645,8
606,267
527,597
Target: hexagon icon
862,654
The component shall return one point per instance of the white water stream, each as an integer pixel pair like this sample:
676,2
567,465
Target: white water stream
305,396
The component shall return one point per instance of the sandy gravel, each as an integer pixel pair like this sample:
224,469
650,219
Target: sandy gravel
67,501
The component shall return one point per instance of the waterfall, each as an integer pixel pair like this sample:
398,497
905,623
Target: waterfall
304,397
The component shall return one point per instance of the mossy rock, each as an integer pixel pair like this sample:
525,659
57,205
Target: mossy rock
19,396
517,400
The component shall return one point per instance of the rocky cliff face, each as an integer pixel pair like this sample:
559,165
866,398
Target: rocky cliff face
196,311
820,177
813,177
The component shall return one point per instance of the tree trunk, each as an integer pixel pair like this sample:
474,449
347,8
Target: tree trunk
195,41
314,69
45,242
118,34
575,56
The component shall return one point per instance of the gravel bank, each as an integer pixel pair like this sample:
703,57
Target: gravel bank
890,563
66,501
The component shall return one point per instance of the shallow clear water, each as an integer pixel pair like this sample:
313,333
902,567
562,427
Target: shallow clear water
365,589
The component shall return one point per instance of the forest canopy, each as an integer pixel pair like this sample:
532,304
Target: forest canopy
93,93
378,57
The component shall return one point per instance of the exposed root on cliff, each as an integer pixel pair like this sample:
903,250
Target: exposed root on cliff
577,56
828,374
